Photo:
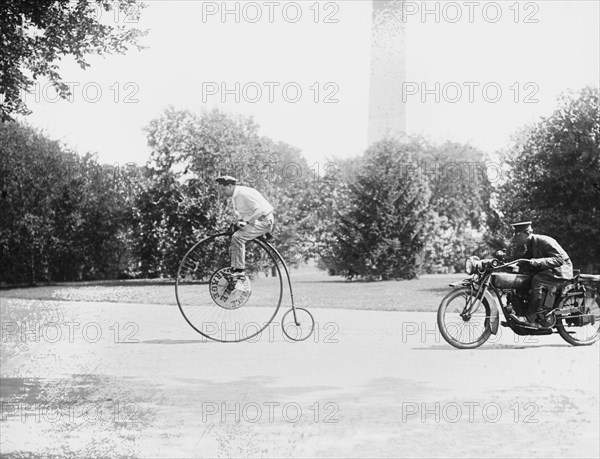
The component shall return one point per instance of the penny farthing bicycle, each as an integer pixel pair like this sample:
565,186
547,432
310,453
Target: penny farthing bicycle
224,309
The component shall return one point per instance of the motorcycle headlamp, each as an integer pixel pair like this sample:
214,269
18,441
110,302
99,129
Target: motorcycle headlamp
472,265
476,265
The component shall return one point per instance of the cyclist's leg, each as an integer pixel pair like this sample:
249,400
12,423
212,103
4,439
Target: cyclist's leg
237,249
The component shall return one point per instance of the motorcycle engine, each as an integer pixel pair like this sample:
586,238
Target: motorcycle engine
519,301
547,319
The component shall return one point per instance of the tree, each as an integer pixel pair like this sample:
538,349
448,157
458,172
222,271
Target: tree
182,203
63,217
36,35
33,170
460,203
554,178
381,234
318,208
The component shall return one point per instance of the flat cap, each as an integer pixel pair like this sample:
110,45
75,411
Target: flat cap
226,180
521,226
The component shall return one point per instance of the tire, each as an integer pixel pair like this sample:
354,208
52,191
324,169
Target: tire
303,329
449,320
208,300
580,335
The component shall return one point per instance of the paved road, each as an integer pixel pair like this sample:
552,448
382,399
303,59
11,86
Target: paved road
133,380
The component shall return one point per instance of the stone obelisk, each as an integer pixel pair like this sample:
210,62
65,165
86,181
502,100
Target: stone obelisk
387,112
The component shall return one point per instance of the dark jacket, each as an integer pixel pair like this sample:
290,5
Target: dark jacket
549,257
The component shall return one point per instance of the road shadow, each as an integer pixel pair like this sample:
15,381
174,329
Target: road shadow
492,347
96,283
176,341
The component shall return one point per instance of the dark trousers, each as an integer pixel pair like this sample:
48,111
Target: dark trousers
543,292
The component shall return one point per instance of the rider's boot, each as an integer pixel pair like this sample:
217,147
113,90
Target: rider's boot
527,321
237,277
535,302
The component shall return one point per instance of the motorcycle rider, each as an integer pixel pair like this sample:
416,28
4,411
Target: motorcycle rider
550,263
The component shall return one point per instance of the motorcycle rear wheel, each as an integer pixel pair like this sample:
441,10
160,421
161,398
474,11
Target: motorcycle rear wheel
584,335
457,331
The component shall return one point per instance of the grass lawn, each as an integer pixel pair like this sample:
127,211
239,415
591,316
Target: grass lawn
312,288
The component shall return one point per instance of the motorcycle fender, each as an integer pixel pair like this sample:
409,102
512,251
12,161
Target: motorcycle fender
493,302
460,284
494,312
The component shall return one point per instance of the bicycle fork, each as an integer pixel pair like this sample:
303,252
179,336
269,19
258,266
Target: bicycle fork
287,275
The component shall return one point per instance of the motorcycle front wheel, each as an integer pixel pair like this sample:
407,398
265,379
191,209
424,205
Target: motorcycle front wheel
460,330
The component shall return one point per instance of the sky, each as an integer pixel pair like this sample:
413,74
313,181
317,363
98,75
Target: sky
475,72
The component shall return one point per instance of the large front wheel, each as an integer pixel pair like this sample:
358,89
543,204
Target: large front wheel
221,306
464,321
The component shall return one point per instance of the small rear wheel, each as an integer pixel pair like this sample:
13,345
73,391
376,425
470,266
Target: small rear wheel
299,326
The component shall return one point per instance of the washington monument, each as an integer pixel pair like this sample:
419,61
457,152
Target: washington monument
387,112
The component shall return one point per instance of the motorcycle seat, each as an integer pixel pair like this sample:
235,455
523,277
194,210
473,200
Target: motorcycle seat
590,277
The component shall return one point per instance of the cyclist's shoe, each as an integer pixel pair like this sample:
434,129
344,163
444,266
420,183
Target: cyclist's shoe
237,273
238,285
236,282
236,289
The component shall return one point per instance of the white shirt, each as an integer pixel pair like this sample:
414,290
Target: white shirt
249,204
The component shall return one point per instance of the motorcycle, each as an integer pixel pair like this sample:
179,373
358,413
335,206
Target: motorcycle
470,313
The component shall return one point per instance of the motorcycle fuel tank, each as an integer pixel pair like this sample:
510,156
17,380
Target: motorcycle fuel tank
511,281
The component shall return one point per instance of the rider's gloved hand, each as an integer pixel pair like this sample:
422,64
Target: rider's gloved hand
528,263
241,224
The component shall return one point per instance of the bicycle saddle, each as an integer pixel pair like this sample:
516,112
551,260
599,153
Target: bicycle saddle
266,236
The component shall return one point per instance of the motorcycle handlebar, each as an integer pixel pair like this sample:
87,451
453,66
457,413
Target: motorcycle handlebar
510,263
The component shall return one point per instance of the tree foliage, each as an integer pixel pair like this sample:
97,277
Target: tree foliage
182,204
36,34
321,201
383,230
63,216
554,177
66,217
460,204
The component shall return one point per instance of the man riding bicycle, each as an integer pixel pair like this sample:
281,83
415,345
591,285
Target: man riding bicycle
255,216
